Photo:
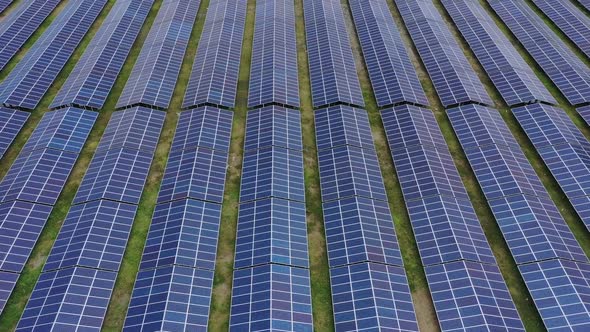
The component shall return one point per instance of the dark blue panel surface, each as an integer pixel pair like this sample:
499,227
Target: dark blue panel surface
409,126
342,125
206,127
273,126
7,283
11,122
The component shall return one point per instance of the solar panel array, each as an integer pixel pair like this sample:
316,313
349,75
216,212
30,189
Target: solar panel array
4,4
454,79
274,72
392,74
570,20
95,73
28,82
567,72
585,113
451,242
271,243
332,69
360,236
173,287
508,71
11,122
564,149
153,78
20,24
214,77
529,220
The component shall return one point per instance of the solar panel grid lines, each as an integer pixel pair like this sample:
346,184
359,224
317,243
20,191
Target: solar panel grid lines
11,123
569,19
4,4
392,74
332,68
508,71
214,76
93,235
342,125
472,296
273,126
68,299
20,24
271,297
568,73
7,283
372,296
274,72
28,82
154,75
585,3
584,113
93,77
206,127
452,75
409,126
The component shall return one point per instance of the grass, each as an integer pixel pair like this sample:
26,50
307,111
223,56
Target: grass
221,299
321,295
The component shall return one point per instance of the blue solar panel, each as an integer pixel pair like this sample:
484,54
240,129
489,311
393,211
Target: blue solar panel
7,283
214,77
271,231
206,127
585,113
453,77
20,24
95,73
153,78
360,230
65,129
273,126
136,128
392,74
342,125
560,289
11,122
585,3
409,126
569,19
271,298
470,296
332,68
28,82
20,226
184,233
3,5
274,72
372,297
173,298
568,73
195,173
511,75
73,299
93,235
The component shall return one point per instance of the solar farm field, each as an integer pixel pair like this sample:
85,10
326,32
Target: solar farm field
295,165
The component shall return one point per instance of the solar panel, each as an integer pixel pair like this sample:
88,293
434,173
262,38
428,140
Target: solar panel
409,126
18,26
153,78
271,298
93,235
273,126
567,72
136,128
452,75
585,3
274,71
11,122
195,173
332,68
65,129
68,299
508,71
95,73
569,19
214,77
173,298
585,113
3,5
20,226
183,233
392,74
360,230
369,296
342,125
7,283
560,289
271,231
206,127
472,296
28,82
